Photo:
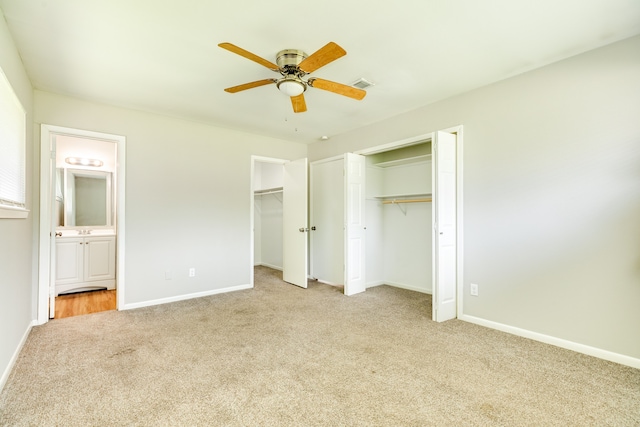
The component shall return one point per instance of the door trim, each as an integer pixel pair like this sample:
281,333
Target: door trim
397,144
44,254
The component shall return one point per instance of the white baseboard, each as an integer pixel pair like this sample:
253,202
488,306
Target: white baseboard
374,284
558,342
14,357
399,285
275,267
184,297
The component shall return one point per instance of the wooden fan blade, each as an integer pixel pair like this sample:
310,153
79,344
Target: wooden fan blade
326,54
299,104
255,58
251,85
340,89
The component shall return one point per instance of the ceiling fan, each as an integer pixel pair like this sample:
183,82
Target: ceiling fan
293,65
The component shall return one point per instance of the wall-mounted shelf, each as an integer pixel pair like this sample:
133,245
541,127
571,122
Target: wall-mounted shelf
402,162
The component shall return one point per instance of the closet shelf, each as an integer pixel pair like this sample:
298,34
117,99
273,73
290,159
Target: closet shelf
400,201
405,161
402,196
266,191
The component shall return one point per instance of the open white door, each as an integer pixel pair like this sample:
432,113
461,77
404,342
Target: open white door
53,178
355,228
444,216
294,223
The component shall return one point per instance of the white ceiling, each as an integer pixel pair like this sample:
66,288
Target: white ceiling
162,55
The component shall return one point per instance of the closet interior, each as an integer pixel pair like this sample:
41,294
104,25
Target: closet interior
267,191
398,211
399,218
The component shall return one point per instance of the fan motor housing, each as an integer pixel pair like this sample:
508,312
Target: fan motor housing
290,58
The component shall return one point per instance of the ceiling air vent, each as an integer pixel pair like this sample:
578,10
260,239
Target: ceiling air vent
362,83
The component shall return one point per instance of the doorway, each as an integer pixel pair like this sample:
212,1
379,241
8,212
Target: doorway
413,218
89,237
267,212
279,227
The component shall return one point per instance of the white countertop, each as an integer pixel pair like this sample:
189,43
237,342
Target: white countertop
86,232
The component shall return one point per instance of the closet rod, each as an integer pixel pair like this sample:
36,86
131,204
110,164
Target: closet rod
391,202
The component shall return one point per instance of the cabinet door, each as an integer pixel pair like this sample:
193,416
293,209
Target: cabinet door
69,260
100,258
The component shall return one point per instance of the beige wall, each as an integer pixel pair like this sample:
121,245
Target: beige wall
187,195
551,195
17,284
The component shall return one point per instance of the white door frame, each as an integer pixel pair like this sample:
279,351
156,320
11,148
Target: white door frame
44,252
457,130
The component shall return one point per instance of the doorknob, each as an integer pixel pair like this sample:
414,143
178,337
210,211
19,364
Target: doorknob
302,229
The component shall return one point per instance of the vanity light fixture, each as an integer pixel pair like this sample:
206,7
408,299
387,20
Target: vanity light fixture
84,162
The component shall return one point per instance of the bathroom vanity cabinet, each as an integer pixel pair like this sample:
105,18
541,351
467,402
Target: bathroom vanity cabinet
85,262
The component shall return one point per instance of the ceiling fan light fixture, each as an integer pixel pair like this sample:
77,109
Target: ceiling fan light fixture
294,65
291,86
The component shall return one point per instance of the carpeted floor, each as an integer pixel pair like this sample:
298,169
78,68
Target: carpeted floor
278,355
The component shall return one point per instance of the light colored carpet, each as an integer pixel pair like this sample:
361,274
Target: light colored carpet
278,355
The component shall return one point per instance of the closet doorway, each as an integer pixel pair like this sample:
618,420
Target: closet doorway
81,215
410,231
279,223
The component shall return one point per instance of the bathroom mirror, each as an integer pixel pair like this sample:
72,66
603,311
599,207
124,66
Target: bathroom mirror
84,198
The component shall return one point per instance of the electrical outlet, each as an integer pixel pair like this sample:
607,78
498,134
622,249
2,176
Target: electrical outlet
474,290
192,272
167,275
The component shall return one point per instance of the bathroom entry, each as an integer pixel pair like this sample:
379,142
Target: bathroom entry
81,218
84,218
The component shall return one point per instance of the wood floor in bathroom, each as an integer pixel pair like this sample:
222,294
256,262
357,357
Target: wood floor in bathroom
85,303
